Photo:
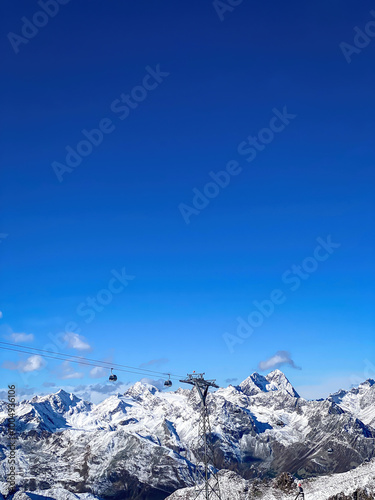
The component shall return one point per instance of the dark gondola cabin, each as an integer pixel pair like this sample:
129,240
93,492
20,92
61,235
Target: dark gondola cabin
112,377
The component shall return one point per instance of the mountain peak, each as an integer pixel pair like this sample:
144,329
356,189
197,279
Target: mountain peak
363,387
278,381
140,390
253,384
369,382
277,377
128,434
276,372
61,401
274,381
62,393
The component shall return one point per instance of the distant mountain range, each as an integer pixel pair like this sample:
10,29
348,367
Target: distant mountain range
142,445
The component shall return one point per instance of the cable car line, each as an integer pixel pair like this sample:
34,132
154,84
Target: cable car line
113,377
80,361
110,364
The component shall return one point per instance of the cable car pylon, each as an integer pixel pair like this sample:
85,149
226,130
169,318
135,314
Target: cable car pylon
207,482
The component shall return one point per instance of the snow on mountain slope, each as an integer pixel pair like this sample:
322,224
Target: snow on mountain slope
53,493
356,484
360,401
274,381
146,440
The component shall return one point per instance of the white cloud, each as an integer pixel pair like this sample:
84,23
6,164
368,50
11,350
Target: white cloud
68,372
278,359
102,371
31,364
76,341
99,372
1,314
21,337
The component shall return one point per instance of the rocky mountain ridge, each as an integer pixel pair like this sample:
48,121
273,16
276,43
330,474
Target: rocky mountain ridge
357,484
143,443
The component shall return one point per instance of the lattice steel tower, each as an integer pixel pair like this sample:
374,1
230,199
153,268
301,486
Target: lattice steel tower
207,482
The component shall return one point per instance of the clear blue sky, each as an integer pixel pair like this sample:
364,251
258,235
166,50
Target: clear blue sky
121,206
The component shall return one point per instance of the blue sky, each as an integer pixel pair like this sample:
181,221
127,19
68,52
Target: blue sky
201,89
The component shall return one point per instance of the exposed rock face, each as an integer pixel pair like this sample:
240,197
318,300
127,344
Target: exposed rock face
285,482
359,494
143,444
359,401
358,484
274,381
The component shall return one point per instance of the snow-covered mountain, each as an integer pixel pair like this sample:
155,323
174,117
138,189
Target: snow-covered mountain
142,444
360,401
357,484
274,381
